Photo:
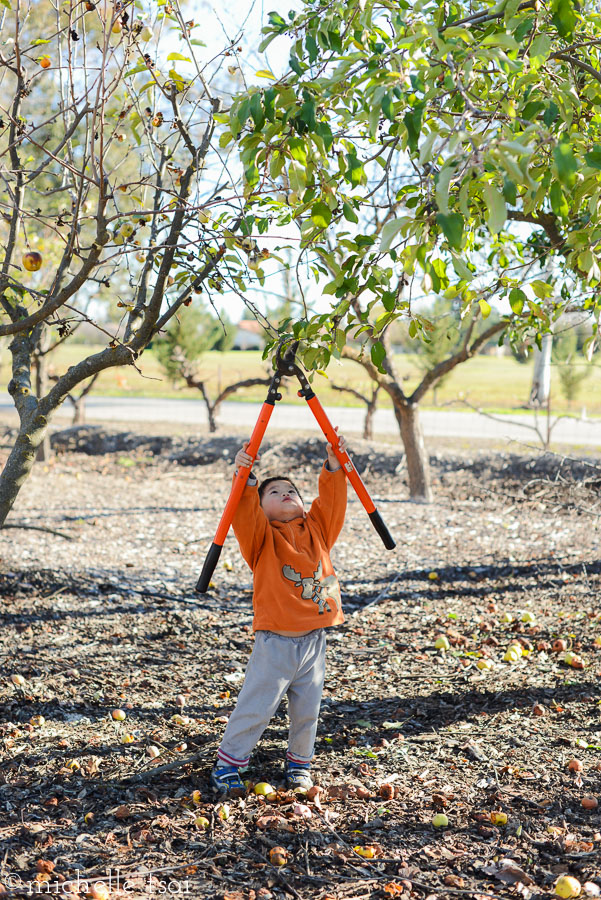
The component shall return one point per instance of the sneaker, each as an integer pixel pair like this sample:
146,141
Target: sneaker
226,781
298,776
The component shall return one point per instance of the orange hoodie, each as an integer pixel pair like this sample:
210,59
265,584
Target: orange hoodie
295,588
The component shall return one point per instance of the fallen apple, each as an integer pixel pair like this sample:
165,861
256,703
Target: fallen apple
574,765
263,789
32,261
442,643
440,820
589,803
559,645
180,701
512,655
127,739
18,680
484,664
202,822
98,891
498,818
365,852
118,715
567,886
506,618
153,751
528,617
278,856
223,812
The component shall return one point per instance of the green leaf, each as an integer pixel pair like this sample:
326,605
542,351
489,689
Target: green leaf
256,111
564,17
539,50
452,228
388,234
517,298
566,164
593,157
559,204
349,213
225,138
496,208
265,73
413,124
500,39
141,67
388,107
178,56
321,214
355,172
378,353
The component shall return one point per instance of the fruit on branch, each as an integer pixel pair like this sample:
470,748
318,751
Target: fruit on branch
45,62
32,261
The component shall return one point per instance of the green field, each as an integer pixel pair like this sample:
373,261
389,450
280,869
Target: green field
491,382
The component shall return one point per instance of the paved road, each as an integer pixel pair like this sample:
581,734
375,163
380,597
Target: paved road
435,423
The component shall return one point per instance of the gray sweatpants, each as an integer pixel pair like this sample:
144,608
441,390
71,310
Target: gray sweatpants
278,665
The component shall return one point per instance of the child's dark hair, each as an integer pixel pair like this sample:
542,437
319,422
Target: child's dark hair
267,481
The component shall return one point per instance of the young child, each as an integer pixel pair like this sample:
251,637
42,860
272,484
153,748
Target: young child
296,597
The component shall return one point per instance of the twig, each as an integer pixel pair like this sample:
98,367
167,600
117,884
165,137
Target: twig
379,597
24,527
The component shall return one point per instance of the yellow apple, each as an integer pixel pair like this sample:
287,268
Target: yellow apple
442,643
263,789
567,886
484,664
498,818
32,261
440,820
202,822
118,715
147,33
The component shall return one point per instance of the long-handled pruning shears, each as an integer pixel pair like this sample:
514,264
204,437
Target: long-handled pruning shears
285,367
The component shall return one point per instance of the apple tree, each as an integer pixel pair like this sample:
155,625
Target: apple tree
425,150
113,187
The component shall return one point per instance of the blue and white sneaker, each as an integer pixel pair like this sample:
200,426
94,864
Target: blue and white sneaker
226,781
298,776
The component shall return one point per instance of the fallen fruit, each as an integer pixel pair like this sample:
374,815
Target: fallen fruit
278,856
498,818
263,789
386,791
37,720
366,852
202,822
506,618
118,715
567,886
559,645
127,739
98,891
440,820
512,655
528,617
32,261
589,803
153,751
433,576
575,765
196,797
484,664
180,701
223,812
442,643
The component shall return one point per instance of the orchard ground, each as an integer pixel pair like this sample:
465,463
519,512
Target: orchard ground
99,613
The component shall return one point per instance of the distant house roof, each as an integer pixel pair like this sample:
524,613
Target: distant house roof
251,325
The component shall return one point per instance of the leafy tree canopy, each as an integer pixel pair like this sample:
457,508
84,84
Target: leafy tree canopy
470,140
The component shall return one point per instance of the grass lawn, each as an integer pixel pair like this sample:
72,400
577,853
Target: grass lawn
490,382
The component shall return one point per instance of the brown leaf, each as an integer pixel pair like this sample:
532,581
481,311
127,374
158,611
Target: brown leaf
508,872
122,812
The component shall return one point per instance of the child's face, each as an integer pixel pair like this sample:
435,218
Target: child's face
280,502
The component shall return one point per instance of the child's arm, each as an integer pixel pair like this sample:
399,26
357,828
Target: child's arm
249,522
329,508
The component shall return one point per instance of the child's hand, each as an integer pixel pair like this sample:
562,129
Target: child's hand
243,459
333,463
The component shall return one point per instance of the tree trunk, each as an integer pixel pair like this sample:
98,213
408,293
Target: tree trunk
541,378
44,452
418,466
20,462
79,411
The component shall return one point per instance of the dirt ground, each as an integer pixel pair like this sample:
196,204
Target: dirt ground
99,613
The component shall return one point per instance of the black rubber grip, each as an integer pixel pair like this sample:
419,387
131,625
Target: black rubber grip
378,522
211,561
